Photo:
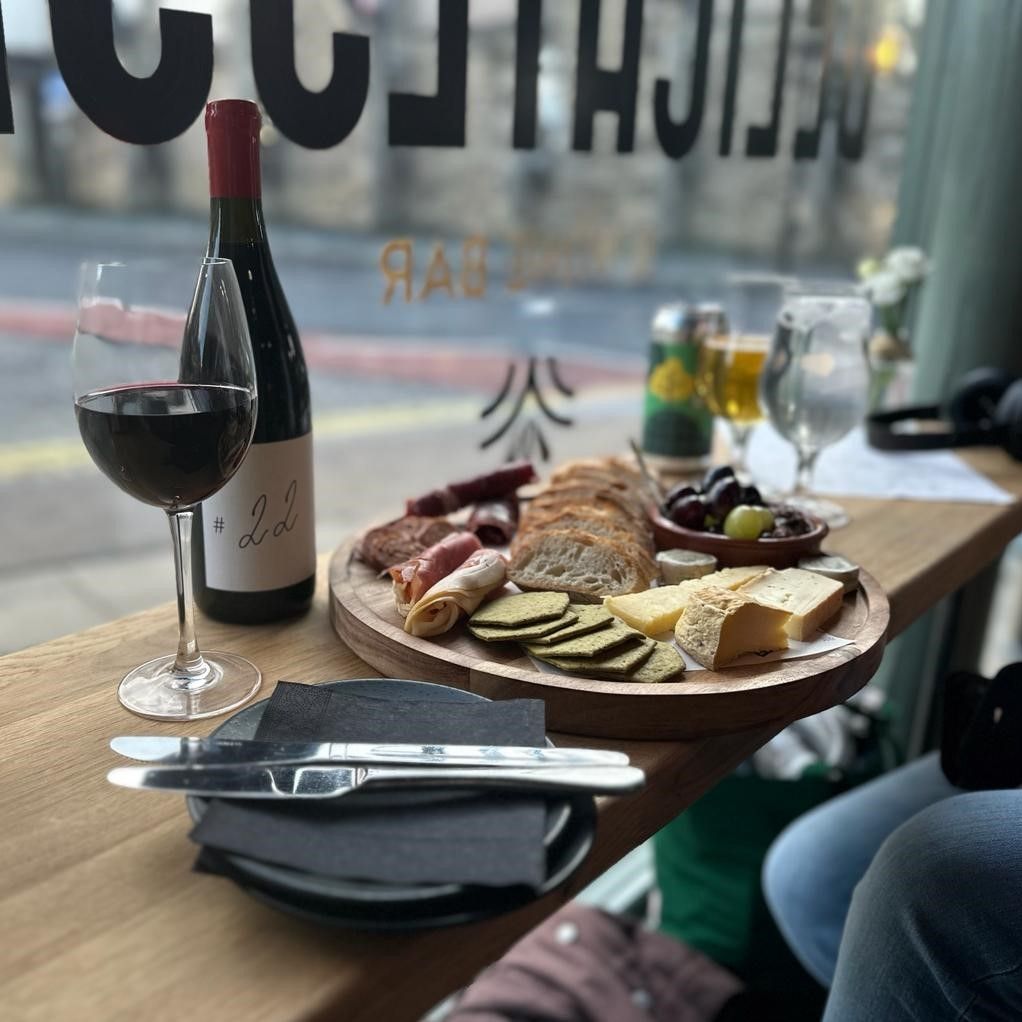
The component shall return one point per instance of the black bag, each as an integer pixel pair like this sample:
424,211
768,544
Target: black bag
981,745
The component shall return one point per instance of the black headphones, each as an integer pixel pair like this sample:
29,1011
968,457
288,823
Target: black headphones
984,410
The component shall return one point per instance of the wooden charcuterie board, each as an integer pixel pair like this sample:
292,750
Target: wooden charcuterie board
702,703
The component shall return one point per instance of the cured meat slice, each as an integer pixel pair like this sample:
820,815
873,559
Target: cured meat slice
459,593
403,539
419,574
491,486
495,521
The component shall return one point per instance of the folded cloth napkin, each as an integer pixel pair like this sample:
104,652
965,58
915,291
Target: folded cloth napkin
393,837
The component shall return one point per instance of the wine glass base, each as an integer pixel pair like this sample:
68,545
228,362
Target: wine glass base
155,691
826,510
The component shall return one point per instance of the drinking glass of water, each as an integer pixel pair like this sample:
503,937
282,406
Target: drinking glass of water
815,384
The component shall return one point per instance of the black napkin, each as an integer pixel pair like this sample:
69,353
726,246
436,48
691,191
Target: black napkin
422,837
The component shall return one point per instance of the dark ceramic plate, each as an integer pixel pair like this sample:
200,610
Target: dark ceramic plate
570,826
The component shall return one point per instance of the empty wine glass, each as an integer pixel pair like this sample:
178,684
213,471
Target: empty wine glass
815,385
165,398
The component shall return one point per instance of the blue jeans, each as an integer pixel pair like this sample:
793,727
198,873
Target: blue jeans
905,897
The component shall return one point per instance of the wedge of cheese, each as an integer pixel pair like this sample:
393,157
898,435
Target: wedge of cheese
656,611
735,578
811,599
720,625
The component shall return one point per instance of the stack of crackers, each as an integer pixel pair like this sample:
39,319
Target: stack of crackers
586,533
577,638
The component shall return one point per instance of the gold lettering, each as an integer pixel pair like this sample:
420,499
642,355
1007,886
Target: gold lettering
438,274
395,274
518,279
473,266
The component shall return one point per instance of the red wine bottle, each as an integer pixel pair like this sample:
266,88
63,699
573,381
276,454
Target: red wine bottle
254,548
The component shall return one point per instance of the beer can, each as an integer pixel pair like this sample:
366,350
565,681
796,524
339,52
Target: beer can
677,429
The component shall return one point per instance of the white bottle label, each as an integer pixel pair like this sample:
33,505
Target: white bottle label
259,531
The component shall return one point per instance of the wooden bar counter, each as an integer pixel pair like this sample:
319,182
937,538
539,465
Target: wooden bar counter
101,916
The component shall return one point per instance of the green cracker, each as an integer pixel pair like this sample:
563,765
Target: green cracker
618,663
589,645
591,618
520,609
528,632
664,664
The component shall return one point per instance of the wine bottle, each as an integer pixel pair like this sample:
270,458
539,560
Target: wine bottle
254,548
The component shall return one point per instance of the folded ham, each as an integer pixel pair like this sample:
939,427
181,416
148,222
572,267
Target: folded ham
460,593
491,486
415,576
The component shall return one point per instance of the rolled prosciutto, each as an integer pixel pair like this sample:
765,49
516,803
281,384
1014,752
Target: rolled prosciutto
459,593
491,486
415,576
495,521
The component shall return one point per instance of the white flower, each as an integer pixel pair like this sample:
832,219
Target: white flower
908,264
884,288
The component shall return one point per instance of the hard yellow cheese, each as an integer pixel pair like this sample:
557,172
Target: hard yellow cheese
811,599
720,625
657,610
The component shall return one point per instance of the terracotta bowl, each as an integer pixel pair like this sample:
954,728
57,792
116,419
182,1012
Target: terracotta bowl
731,553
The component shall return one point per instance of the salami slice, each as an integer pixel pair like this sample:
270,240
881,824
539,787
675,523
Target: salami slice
495,521
491,486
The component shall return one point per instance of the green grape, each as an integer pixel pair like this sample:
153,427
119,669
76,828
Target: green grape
745,522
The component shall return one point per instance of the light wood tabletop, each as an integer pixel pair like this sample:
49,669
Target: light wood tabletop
102,917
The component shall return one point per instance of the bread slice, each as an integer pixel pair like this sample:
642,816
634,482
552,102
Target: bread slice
591,520
571,561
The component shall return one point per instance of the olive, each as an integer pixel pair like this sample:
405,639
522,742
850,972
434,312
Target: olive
750,495
723,496
689,512
675,493
716,474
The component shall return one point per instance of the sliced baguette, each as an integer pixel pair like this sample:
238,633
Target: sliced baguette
571,561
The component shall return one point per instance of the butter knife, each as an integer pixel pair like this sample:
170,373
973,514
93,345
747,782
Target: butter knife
235,751
285,782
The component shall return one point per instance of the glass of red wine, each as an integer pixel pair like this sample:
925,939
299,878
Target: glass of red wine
165,397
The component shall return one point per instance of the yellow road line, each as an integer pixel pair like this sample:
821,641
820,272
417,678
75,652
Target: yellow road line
42,457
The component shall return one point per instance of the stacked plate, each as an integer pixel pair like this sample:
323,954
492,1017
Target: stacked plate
570,827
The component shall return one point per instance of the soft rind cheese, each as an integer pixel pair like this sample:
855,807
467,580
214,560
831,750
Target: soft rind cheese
720,625
656,611
811,599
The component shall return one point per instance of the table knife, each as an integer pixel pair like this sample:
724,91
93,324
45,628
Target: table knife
236,751
288,782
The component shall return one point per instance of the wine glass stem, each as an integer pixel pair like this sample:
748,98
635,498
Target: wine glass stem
804,473
190,670
739,442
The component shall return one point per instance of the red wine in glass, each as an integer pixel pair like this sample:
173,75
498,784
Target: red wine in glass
169,435
167,444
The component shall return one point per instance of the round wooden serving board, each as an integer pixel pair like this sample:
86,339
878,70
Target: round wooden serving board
702,703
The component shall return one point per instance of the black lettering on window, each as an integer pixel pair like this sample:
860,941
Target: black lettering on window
677,139
597,89
140,110
437,120
316,120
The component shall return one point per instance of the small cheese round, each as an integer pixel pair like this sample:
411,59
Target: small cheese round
833,566
678,565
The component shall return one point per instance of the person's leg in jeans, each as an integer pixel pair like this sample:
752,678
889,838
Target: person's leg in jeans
813,866
934,932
